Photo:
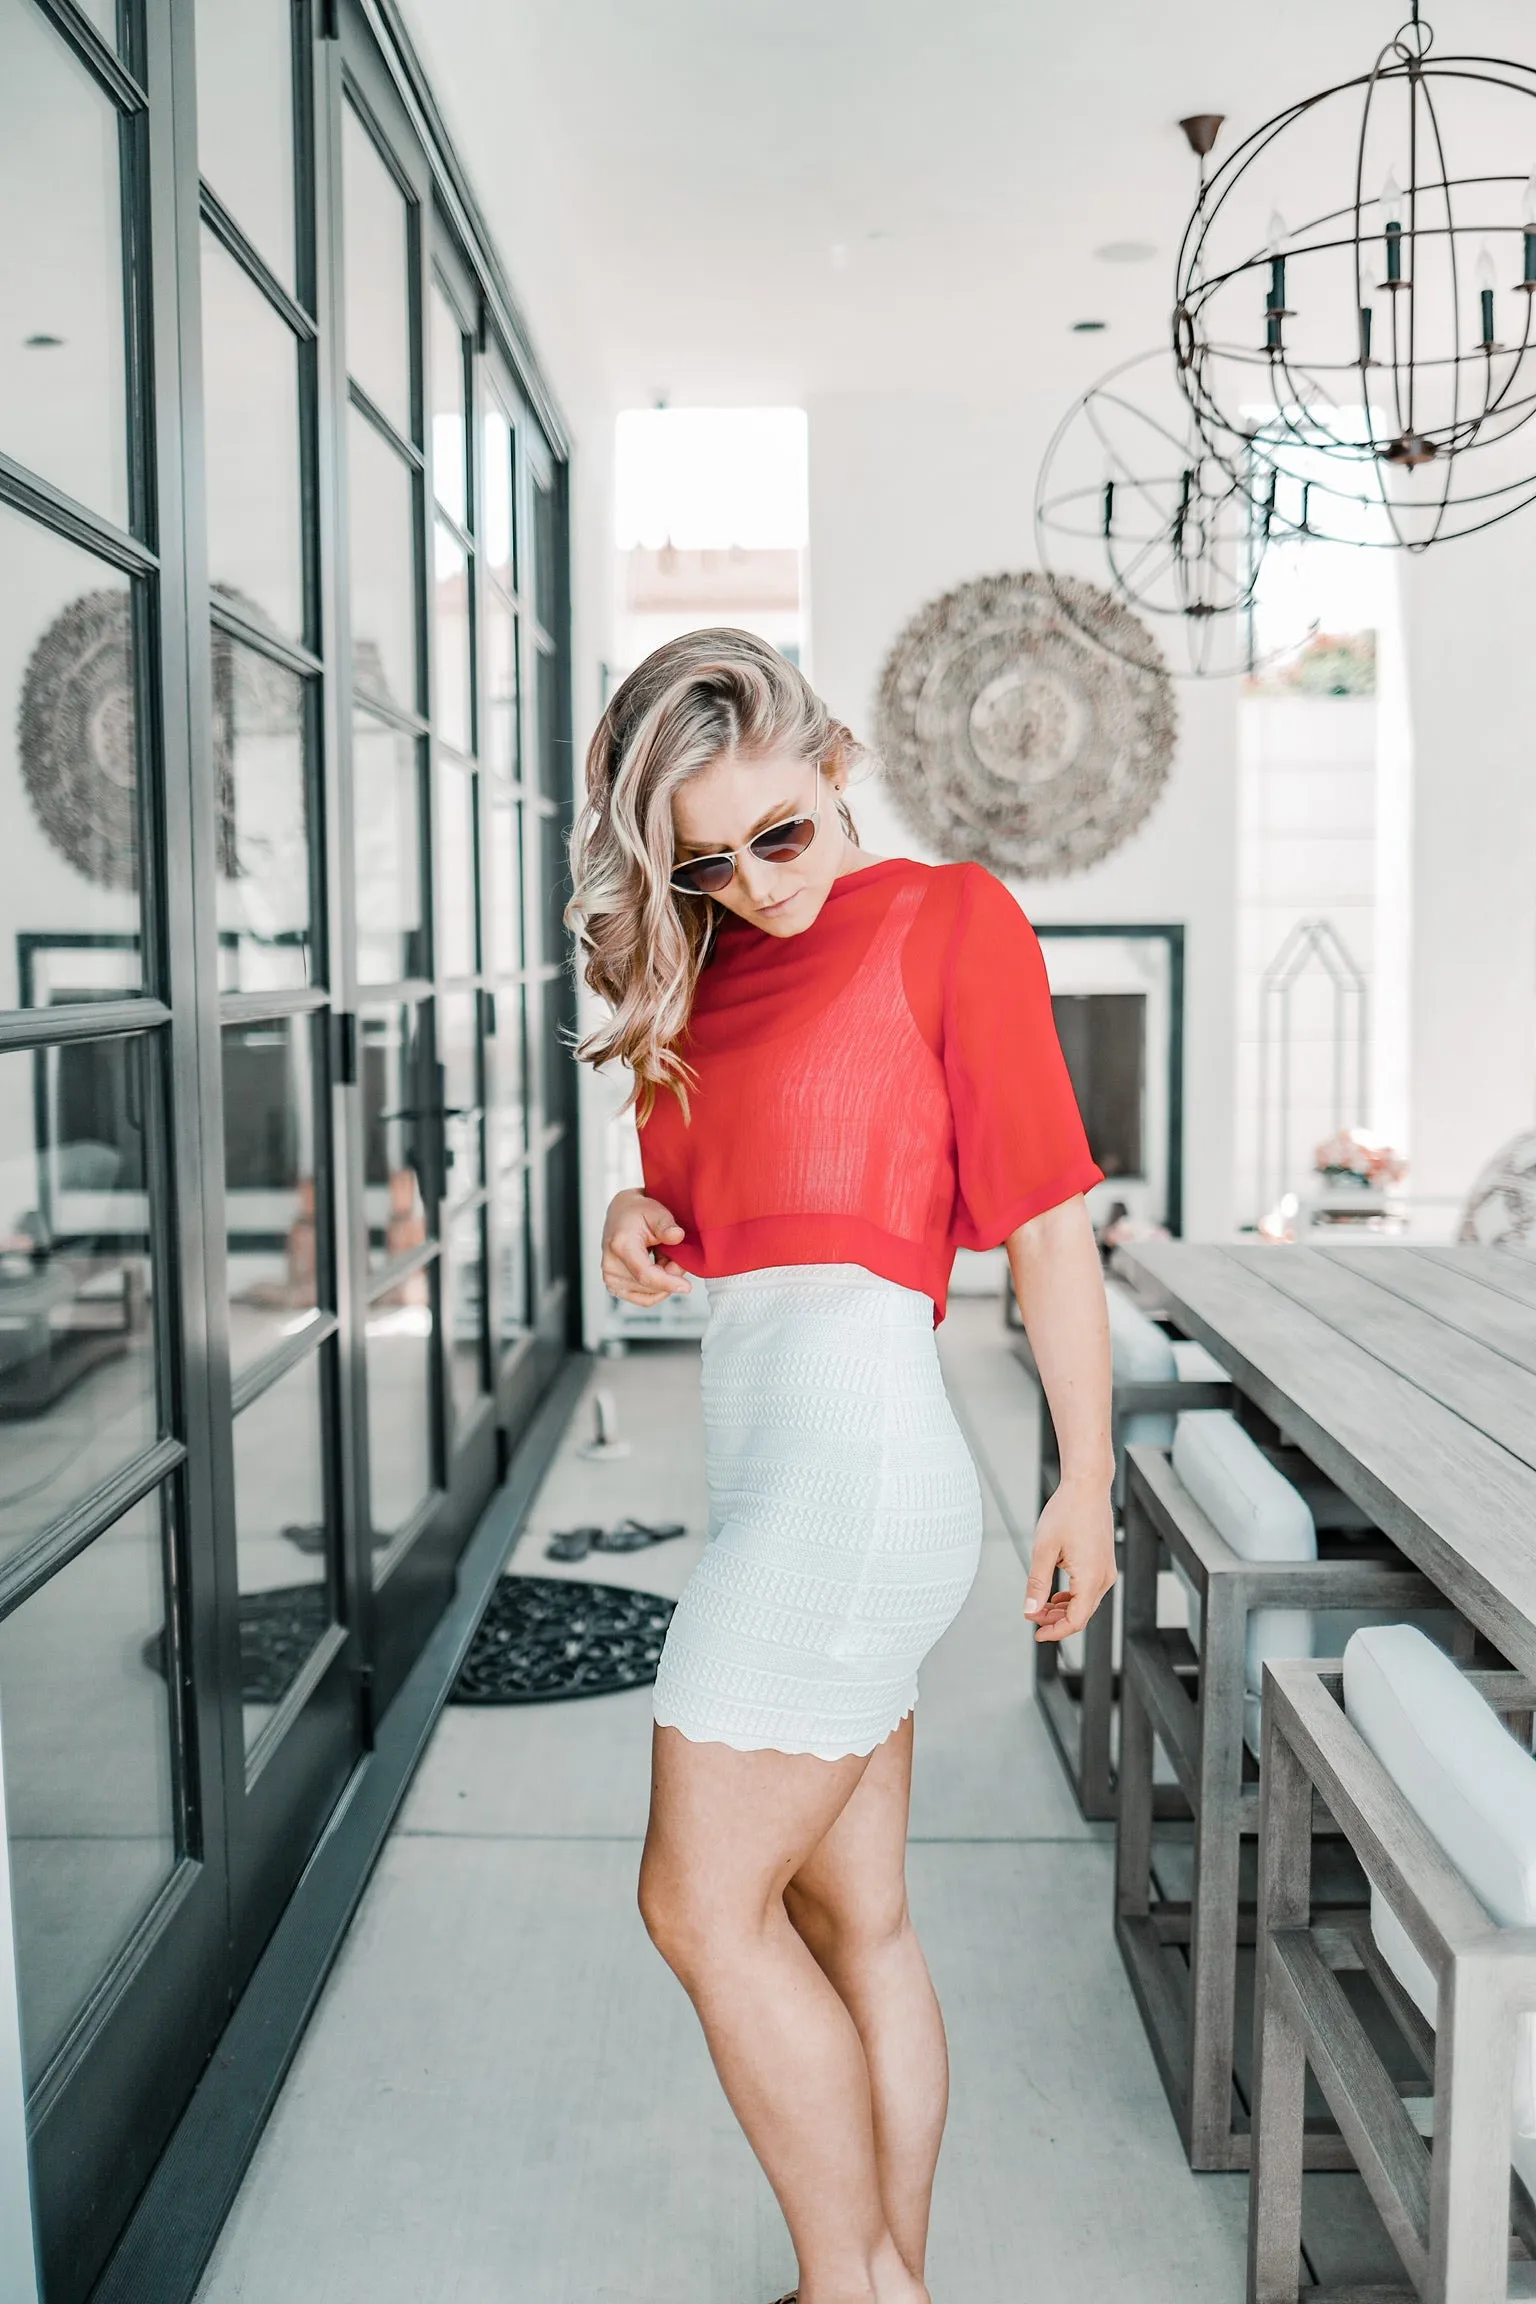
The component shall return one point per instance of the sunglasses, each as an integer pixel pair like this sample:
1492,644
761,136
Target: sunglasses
779,844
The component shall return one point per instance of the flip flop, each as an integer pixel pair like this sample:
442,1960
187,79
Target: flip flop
634,1535
571,1543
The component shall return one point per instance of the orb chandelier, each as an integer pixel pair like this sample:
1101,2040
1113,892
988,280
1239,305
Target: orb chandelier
1380,353
1131,494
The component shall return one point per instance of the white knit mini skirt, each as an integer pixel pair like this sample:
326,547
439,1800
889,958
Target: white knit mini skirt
845,1515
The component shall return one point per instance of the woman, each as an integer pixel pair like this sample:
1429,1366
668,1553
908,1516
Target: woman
845,1066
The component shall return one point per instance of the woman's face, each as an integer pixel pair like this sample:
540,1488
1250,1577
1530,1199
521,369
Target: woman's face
736,797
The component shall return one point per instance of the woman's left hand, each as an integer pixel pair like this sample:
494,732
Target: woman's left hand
1075,1532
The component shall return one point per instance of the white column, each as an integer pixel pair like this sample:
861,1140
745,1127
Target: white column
1471,662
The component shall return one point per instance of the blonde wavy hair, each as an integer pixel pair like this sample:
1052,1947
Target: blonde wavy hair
642,944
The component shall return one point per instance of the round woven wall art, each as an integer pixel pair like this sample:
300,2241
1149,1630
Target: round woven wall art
1011,738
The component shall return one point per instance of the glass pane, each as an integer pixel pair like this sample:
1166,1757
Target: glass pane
63,378
504,820
559,1064
382,497
512,1251
401,1348
282,1542
545,589
466,1298
496,522
499,738
396,1131
245,119
508,1076
377,258
552,1242
459,1057
554,884
103,14
264,862
269,1181
450,433
386,851
549,748
251,431
450,597
86,1697
456,940
77,1276
69,748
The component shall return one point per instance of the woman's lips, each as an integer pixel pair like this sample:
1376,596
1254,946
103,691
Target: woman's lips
763,910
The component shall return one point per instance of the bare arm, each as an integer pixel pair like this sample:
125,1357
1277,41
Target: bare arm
1059,1284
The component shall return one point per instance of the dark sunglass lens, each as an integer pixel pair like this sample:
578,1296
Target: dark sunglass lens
782,841
705,876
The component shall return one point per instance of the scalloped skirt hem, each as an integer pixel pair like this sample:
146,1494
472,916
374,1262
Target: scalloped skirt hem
698,1735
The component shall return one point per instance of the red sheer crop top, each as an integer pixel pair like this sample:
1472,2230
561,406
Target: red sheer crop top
880,1089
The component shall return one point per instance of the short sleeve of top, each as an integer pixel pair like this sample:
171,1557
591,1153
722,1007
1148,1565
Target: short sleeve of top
1019,1139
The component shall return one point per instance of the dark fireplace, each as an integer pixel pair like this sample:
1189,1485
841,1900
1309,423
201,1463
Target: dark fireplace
1104,1040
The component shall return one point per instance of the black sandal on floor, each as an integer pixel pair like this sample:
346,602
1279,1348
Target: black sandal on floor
634,1535
571,1543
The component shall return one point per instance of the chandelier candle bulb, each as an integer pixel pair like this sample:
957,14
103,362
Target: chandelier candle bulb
1109,509
1365,337
1485,286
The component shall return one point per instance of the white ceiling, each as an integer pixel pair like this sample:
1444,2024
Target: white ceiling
720,200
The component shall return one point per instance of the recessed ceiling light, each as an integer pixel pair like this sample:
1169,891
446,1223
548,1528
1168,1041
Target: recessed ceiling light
1088,327
1126,252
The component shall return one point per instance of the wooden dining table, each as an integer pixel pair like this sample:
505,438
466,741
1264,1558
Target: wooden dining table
1407,1375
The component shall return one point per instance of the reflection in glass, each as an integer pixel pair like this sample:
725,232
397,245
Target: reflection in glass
496,520
69,745
281,1538
450,434
77,1354
466,1318
512,1251
499,736
63,380
89,1786
386,851
269,1181
544,589
264,860
505,881
245,119
396,1131
508,1073
251,433
456,871
554,882
376,221
552,1240
382,513
559,1064
400,1350
458,1054
450,607
548,746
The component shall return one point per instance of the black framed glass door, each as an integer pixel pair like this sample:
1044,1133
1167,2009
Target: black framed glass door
284,1120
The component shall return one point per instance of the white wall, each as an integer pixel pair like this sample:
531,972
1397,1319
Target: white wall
1473,1029
913,494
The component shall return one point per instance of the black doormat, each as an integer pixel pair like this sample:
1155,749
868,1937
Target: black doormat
546,1637
278,1630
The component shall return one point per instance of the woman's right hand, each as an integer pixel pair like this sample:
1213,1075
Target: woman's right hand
634,1225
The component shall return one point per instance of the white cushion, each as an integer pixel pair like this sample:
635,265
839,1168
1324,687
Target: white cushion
1141,1353
1195,1365
1257,1511
1468,1782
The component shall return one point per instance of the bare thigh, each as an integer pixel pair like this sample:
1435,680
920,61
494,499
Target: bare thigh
851,1886
729,1830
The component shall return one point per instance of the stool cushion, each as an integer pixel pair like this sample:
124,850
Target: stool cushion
1257,1511
1470,1785
1140,1353
1195,1365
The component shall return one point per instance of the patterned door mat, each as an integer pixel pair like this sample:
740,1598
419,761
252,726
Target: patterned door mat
547,1637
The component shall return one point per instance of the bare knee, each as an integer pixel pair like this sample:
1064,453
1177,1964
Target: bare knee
849,1930
687,1925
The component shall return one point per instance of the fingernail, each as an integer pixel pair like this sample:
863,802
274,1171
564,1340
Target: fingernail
1031,1607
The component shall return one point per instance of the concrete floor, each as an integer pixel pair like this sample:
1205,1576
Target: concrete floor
505,2095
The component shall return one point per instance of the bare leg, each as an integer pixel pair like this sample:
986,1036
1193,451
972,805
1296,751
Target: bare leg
728,1832
849,1902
